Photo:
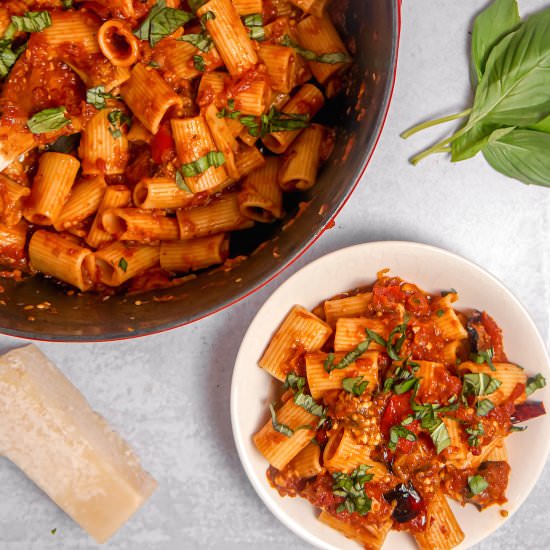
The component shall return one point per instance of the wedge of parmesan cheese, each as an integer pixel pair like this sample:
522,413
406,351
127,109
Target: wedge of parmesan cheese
48,429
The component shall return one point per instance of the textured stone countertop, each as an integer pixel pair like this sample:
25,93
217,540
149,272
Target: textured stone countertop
168,395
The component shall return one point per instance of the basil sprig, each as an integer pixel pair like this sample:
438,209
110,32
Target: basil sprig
202,41
213,159
161,22
277,426
48,120
330,58
428,414
351,487
509,121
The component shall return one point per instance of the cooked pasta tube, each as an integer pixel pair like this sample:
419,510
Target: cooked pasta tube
12,196
372,537
308,100
104,144
193,142
350,306
307,463
117,43
219,216
498,453
62,257
278,448
124,8
248,159
320,381
178,57
194,254
84,201
14,142
442,530
351,332
115,196
318,35
248,7
12,244
51,187
261,198
230,36
117,262
449,325
159,193
149,96
280,62
77,28
223,138
299,328
135,224
315,7
301,160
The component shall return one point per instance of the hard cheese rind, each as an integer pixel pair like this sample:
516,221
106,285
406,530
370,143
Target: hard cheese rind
48,429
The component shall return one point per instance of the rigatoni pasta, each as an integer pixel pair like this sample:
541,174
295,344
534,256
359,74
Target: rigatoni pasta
394,427
153,124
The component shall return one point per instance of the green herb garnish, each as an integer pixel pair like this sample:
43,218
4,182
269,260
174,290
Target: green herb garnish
180,182
352,488
213,159
117,119
32,21
330,58
123,264
96,96
477,484
535,383
48,120
278,427
309,404
397,432
295,382
479,383
484,356
484,407
350,357
255,25
355,386
474,432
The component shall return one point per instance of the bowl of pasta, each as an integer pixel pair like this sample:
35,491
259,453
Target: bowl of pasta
160,160
384,398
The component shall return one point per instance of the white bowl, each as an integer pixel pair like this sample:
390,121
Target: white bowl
433,270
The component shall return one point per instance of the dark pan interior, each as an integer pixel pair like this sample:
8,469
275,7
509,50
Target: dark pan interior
371,28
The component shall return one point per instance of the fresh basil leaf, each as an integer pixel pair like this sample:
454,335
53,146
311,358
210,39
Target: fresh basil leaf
64,144
352,489
355,386
541,126
490,26
67,4
161,22
521,154
295,382
397,432
518,428
330,58
479,383
7,59
123,264
32,21
484,407
440,437
281,428
328,365
199,63
484,356
535,383
474,433
477,484
350,357
117,119
309,404
255,26
205,17
180,182
472,142
48,120
213,159
201,41
96,96
405,386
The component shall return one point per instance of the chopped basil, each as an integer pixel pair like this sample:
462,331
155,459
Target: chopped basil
330,58
255,25
48,120
477,484
117,119
213,159
67,4
153,64
484,356
397,432
352,488
96,96
349,358
309,404
123,264
474,432
440,313
484,407
295,382
281,428
201,41
198,62
479,383
7,58
208,16
180,182
535,383
355,386
161,22
376,338
64,144
32,21
518,428
405,386
440,437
